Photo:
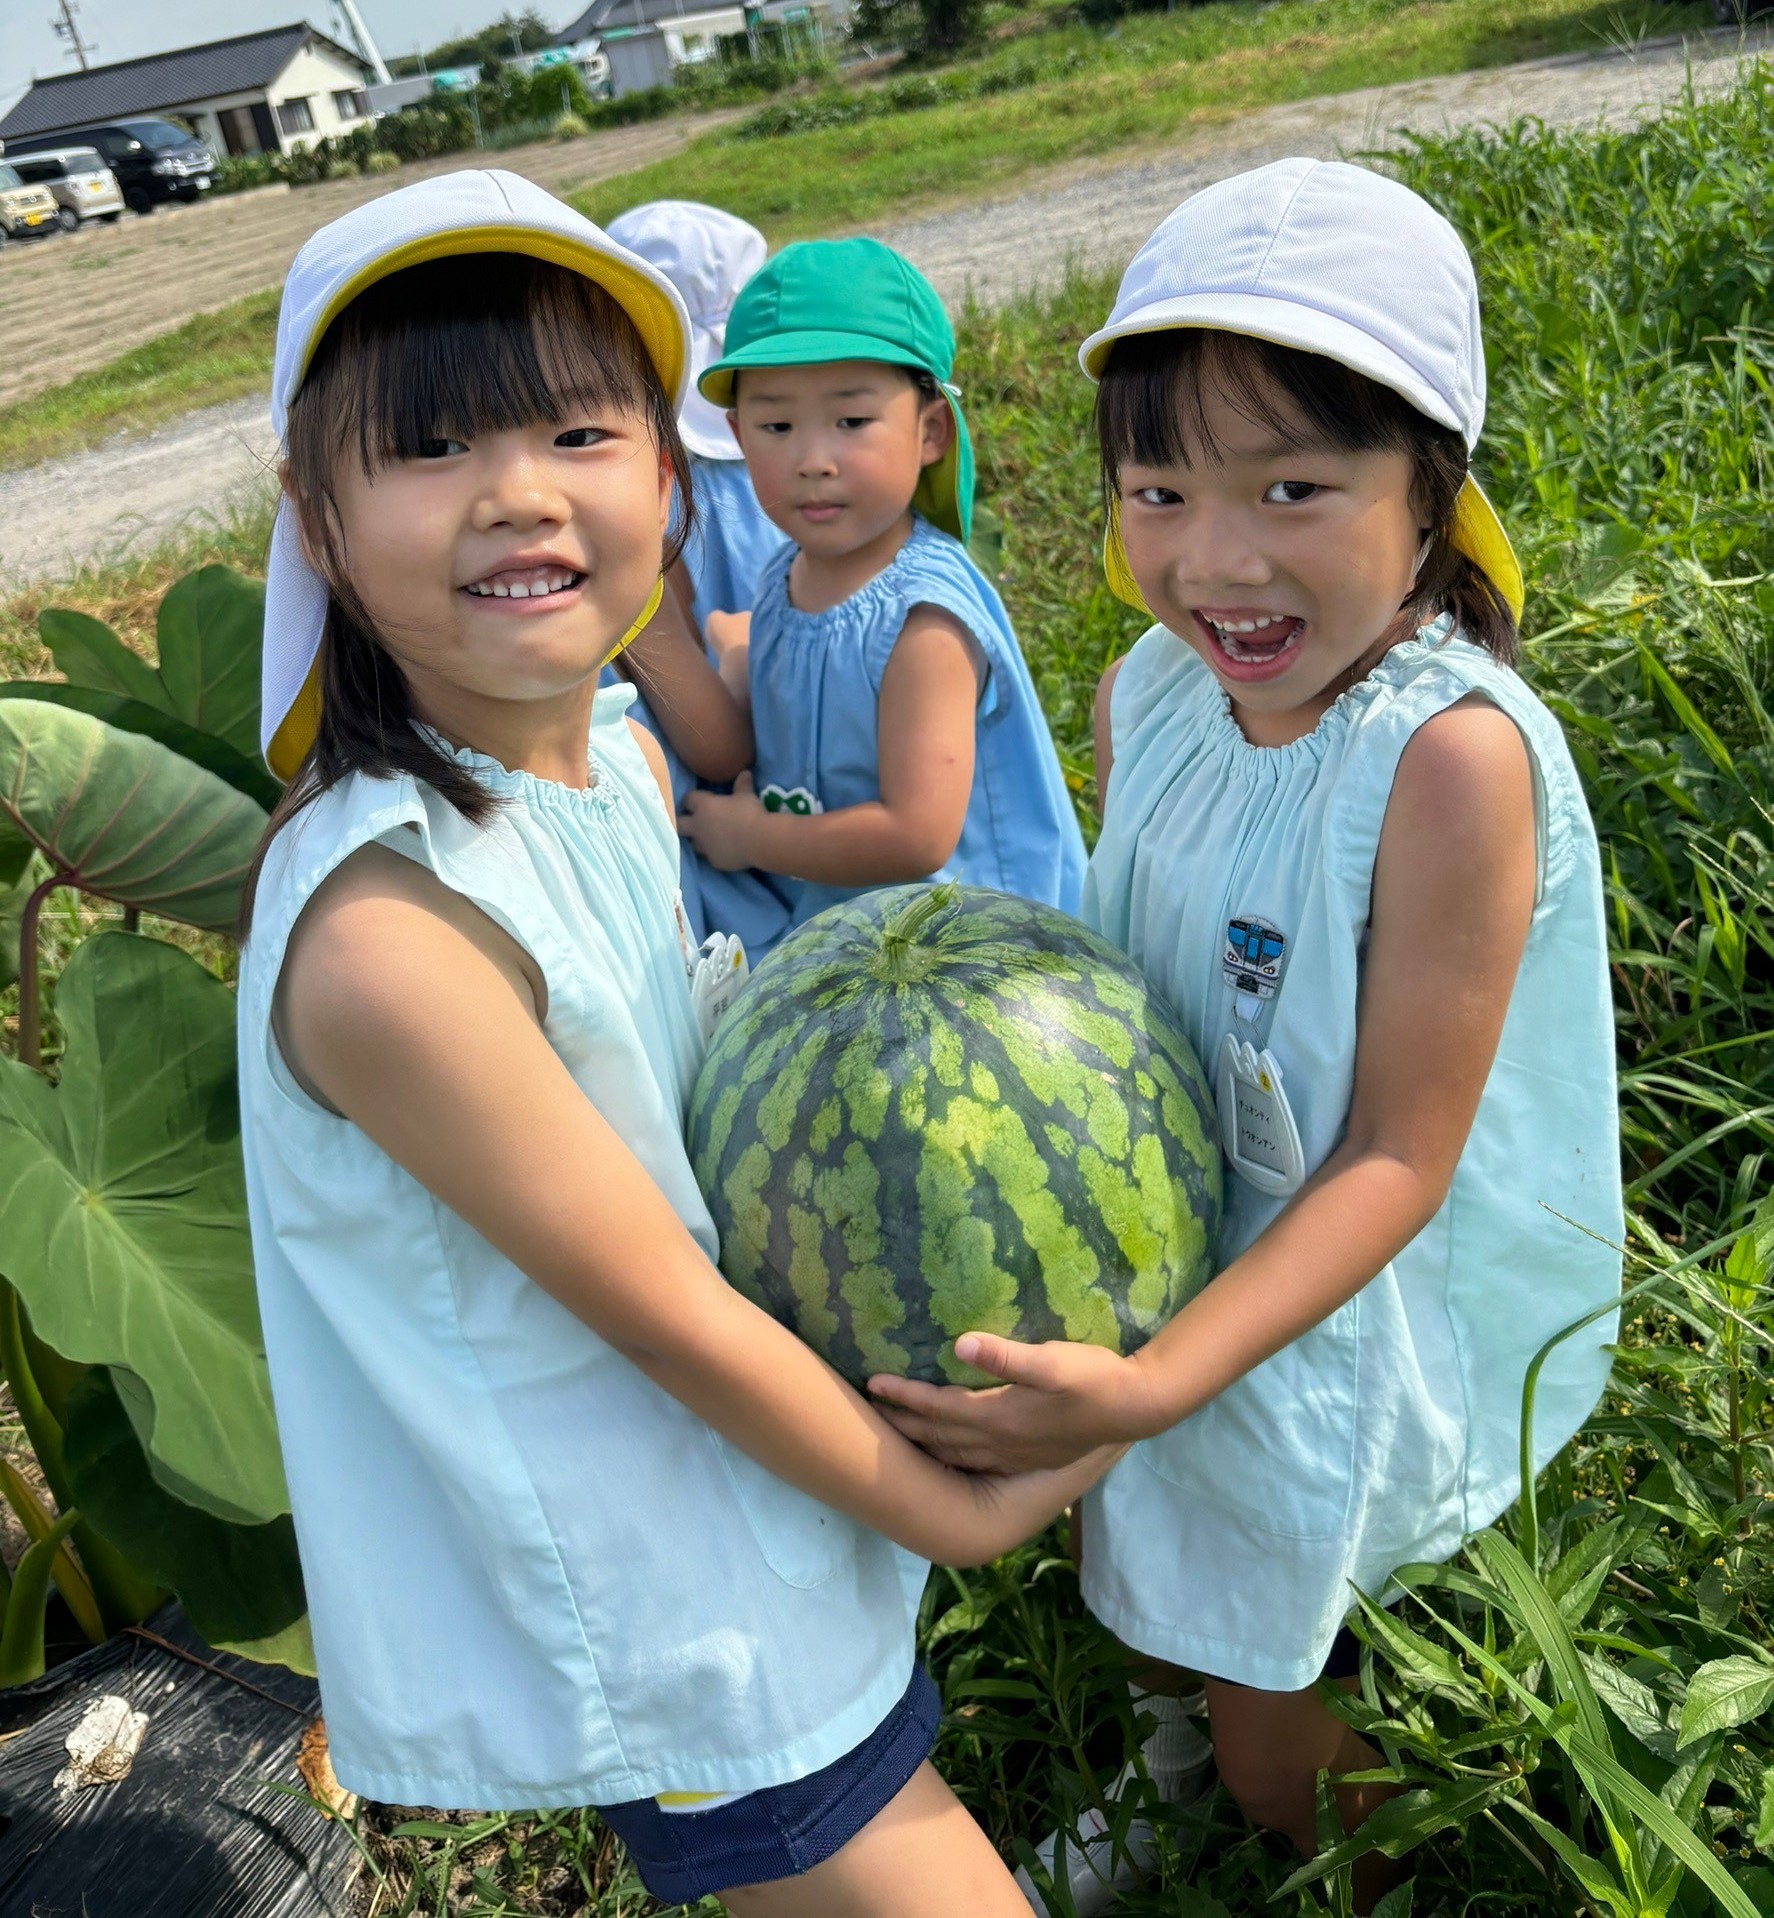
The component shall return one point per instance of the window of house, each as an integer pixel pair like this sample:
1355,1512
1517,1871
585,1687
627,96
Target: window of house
295,116
351,103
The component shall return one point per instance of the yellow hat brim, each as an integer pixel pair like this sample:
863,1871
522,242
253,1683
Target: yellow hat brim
650,310
1476,531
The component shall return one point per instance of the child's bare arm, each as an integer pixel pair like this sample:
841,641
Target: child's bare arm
1452,896
413,1016
924,723
708,728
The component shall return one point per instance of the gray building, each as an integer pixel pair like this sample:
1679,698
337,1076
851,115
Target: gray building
273,92
648,41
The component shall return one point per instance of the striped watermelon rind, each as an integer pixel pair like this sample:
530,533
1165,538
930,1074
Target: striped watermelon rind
942,1110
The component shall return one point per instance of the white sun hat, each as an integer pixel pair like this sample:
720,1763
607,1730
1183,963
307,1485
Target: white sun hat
453,213
708,255
1336,260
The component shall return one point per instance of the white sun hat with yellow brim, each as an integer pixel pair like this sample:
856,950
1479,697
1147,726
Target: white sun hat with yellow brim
476,211
1336,260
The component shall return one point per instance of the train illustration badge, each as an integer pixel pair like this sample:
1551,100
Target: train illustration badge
1252,962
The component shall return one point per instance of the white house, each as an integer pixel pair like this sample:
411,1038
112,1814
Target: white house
274,91
647,41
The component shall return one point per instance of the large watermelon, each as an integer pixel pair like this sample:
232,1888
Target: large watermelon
937,1110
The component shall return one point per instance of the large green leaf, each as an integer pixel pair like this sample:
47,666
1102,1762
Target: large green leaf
88,653
123,1217
154,722
123,816
240,1584
211,628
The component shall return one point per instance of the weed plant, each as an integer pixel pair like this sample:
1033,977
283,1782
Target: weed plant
1577,1707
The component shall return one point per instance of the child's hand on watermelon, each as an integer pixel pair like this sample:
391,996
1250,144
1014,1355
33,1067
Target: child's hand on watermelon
1058,1403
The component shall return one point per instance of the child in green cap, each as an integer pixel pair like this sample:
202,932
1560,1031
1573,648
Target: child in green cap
899,736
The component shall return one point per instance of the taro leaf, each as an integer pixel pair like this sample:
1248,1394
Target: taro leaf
123,1217
1723,1693
123,816
135,716
15,854
88,653
211,628
13,896
241,1585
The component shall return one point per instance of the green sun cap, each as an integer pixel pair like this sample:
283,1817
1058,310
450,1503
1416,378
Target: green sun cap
820,301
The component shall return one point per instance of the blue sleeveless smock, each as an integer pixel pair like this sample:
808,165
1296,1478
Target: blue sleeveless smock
1389,1432
534,1578
730,542
815,681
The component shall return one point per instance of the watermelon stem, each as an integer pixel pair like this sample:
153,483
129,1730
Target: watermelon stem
898,961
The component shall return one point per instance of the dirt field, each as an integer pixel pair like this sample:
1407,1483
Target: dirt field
75,302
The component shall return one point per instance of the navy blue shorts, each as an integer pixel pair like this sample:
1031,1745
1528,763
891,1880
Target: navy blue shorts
783,1830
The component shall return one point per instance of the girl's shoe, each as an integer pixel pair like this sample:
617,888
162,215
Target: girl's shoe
1179,1761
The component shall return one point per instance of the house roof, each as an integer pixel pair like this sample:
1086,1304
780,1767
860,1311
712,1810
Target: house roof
602,15
165,80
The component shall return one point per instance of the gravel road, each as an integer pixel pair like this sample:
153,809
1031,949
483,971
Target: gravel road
63,512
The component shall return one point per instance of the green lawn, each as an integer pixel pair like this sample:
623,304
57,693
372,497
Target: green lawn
1052,90
1624,279
1094,92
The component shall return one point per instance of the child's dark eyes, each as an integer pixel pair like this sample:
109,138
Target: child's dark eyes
581,436
1291,492
851,420
1157,496
440,449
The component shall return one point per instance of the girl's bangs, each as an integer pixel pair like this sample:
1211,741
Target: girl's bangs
1152,403
458,348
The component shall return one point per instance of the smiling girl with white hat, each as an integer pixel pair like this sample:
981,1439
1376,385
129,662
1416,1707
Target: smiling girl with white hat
578,1524
1350,845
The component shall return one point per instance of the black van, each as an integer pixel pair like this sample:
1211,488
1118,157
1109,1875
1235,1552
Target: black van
153,160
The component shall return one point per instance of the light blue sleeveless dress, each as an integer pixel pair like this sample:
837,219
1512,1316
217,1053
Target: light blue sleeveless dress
730,542
1389,1432
534,1578
815,681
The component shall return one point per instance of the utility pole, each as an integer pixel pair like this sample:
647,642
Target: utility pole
361,34
65,26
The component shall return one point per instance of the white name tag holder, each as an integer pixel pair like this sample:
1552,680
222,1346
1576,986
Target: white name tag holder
721,969
1258,1132
1257,1129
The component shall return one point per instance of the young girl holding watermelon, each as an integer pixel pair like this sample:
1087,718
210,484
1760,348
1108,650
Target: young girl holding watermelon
1350,846
579,1525
899,736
